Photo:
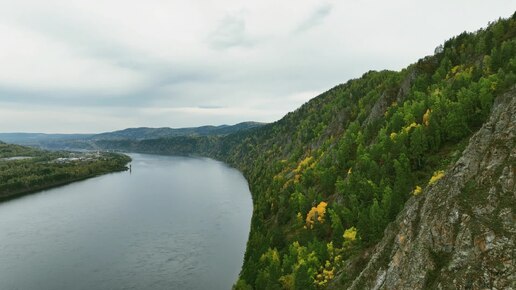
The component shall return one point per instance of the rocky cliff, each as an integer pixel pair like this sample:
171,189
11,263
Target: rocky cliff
460,233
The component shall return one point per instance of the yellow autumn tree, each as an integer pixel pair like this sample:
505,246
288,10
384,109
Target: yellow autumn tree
308,162
299,218
411,126
326,274
326,271
304,164
316,214
350,234
426,117
437,175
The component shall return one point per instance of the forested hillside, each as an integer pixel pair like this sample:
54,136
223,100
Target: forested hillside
96,141
329,177
25,169
458,233
154,133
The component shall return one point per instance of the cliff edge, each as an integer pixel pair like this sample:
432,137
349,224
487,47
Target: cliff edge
460,233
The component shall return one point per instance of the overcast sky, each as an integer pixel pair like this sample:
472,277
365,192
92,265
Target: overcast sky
91,66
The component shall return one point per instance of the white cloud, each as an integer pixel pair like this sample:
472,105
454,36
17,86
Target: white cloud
230,32
32,62
262,58
315,18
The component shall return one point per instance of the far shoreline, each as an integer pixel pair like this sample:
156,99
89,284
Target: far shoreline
18,194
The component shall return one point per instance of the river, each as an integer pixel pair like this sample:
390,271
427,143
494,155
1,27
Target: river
171,223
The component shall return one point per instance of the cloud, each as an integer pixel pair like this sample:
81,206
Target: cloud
230,32
102,65
315,18
210,107
34,62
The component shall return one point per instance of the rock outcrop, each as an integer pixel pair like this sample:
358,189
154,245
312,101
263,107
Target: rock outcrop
386,99
460,233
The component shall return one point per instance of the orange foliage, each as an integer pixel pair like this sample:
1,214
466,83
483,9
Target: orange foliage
316,214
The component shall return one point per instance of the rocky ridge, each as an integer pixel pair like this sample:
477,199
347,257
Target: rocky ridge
460,232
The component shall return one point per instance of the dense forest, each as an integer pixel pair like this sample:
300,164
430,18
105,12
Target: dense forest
24,169
329,177
96,141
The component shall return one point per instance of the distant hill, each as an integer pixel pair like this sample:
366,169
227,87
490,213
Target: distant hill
34,139
143,133
89,141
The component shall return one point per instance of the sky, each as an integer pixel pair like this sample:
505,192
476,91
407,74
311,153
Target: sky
92,66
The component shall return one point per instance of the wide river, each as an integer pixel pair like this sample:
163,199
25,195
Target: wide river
171,223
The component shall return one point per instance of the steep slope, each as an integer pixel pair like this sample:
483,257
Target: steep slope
354,155
329,177
459,231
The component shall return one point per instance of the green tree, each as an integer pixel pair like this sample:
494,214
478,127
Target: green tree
242,285
376,220
455,123
302,278
387,208
418,145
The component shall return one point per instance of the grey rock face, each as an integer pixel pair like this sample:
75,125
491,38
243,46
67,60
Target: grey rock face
385,100
460,233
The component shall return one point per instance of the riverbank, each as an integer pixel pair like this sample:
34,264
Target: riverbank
40,169
12,195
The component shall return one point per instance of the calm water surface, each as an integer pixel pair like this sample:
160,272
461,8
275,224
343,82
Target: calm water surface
172,223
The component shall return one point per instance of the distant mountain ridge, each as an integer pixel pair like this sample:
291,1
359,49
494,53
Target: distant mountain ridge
28,138
143,133
88,141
